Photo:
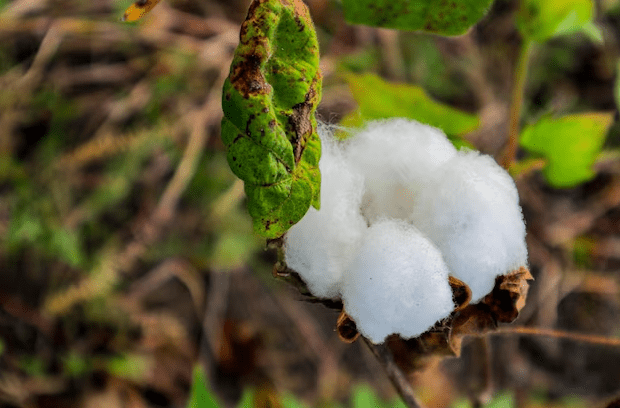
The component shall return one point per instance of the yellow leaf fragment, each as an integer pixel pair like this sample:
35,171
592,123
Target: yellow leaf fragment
137,10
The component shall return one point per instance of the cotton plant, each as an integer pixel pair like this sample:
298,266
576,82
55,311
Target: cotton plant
401,211
393,222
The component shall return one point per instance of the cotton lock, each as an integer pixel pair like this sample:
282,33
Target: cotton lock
401,210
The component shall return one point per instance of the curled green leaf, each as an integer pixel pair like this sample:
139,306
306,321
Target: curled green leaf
269,101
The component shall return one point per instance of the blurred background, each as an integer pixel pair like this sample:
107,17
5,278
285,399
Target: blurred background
127,256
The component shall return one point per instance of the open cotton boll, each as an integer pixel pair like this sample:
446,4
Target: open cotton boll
395,156
401,148
471,213
321,245
398,283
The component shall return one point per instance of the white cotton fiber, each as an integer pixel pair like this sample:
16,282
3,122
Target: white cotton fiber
321,245
398,283
401,209
472,214
395,156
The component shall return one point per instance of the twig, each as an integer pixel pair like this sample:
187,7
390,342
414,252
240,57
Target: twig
150,231
391,57
560,334
308,329
516,103
123,261
213,321
396,375
191,157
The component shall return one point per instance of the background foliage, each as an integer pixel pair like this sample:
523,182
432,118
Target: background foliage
126,249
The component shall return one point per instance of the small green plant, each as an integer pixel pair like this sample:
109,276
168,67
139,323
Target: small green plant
569,144
383,237
362,396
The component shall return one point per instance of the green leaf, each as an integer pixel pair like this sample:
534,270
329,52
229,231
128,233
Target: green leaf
571,145
378,99
233,249
200,396
583,251
447,17
594,33
504,400
269,127
68,245
365,397
539,20
130,366
75,365
290,401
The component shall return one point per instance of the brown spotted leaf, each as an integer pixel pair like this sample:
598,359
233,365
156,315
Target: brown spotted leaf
269,127
446,17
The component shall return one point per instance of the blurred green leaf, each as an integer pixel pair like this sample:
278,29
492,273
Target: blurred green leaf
583,248
429,68
448,17
131,366
365,397
200,396
290,401
11,170
33,366
67,245
571,145
504,400
23,227
539,20
378,99
594,33
367,59
75,365
269,127
64,113
233,249
461,403
247,398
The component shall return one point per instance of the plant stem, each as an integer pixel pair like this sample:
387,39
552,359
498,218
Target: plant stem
398,378
560,334
516,103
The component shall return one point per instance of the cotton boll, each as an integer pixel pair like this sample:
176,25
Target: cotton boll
321,245
399,147
395,156
398,283
471,213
